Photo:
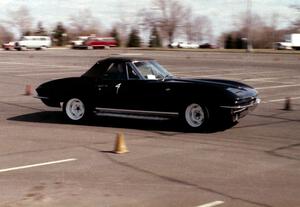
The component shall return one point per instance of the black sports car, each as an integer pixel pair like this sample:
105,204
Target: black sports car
142,88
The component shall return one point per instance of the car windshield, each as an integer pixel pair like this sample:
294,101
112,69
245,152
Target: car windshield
151,70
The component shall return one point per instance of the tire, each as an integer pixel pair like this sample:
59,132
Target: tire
76,110
23,48
195,116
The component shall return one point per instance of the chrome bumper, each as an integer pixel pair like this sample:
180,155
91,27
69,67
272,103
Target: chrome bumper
238,112
41,97
250,106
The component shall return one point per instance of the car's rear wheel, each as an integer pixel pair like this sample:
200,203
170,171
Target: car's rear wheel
195,116
76,110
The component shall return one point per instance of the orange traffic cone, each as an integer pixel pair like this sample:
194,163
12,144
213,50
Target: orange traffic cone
28,90
287,105
120,146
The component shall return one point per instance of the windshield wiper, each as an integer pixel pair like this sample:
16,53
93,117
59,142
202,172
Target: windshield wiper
167,76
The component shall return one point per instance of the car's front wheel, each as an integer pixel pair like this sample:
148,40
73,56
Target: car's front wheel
76,110
23,47
195,116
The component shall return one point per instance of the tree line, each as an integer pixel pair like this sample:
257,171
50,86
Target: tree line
261,34
162,21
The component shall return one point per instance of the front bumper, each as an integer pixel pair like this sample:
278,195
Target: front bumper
41,97
252,105
239,111
79,46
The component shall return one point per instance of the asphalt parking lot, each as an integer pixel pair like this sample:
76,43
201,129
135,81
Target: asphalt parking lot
44,161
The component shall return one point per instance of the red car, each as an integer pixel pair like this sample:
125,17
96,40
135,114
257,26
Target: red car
8,46
98,42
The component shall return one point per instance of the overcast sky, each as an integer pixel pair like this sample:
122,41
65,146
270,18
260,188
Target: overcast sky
222,13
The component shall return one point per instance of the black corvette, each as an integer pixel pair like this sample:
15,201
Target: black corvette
141,88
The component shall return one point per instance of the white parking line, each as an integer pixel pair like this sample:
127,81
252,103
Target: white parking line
39,70
129,54
260,79
241,73
201,70
212,204
281,86
42,65
280,100
41,74
36,165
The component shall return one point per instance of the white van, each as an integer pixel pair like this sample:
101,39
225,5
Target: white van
33,42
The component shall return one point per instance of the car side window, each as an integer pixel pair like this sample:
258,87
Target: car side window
116,71
132,75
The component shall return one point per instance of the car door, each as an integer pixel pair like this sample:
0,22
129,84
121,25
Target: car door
108,86
122,87
138,93
155,95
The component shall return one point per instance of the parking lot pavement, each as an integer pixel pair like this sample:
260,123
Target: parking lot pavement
44,161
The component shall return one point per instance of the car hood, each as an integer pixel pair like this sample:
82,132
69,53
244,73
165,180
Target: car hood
240,90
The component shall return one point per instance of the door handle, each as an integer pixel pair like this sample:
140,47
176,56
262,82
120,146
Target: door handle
102,86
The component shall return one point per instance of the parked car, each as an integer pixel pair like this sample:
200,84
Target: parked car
33,42
283,46
174,44
78,42
187,45
96,42
291,41
142,88
8,46
207,46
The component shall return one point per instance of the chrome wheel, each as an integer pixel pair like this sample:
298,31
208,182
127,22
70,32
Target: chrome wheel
194,115
75,109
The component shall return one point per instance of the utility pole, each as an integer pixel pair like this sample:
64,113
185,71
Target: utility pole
249,26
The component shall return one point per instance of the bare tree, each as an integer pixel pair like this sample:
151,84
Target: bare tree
124,29
5,35
198,28
263,34
188,26
84,23
167,15
295,22
21,19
